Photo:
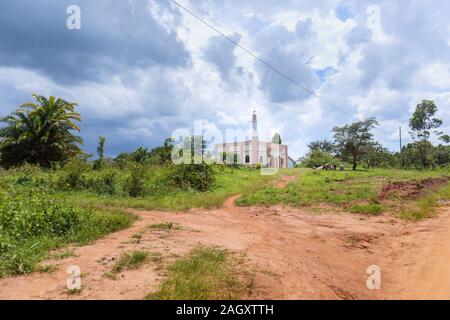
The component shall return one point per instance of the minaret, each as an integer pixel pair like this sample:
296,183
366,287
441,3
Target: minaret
255,126
255,142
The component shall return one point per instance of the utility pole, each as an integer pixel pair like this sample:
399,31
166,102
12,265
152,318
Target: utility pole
401,146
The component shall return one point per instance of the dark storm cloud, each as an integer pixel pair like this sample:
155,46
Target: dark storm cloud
114,36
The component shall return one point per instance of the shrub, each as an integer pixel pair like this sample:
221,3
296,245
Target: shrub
134,185
199,177
24,215
102,182
73,173
32,223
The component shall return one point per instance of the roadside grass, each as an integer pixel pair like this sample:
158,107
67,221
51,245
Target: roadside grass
33,223
347,190
165,226
207,273
228,182
130,260
62,255
369,209
427,206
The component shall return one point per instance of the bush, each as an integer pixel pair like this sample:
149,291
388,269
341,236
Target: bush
73,174
31,223
199,177
317,158
134,185
24,215
102,182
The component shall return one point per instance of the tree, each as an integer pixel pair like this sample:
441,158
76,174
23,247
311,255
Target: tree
40,133
100,162
276,138
421,124
445,138
140,155
162,155
322,145
317,158
441,155
351,139
375,155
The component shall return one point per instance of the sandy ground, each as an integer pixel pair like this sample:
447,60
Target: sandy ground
291,253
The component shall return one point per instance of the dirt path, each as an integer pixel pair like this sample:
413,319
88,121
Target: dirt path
424,270
293,254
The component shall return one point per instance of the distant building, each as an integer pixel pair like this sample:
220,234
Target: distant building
254,152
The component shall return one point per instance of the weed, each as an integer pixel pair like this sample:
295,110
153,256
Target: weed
207,273
130,260
165,226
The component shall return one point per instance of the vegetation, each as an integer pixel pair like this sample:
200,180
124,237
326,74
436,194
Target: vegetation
421,124
164,226
52,194
131,260
33,222
40,133
352,139
100,162
353,191
353,144
206,274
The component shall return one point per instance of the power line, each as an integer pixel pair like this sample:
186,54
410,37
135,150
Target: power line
270,66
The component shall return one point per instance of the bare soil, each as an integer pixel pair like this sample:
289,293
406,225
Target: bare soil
291,254
414,189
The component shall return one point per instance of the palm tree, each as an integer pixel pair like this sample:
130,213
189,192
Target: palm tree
40,132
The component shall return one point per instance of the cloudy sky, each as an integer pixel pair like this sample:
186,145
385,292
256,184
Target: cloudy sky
139,69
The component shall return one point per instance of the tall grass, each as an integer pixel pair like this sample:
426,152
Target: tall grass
32,223
206,274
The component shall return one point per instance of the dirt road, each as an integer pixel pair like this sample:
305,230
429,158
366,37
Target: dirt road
292,253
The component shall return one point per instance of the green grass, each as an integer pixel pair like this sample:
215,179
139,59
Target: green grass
205,274
131,260
344,189
42,210
370,209
427,206
33,223
164,226
62,255
228,182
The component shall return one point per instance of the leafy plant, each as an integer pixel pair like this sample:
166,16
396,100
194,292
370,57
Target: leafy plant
134,185
40,133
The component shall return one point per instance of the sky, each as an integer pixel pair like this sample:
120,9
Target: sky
141,69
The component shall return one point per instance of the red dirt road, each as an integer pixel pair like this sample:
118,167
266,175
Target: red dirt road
292,253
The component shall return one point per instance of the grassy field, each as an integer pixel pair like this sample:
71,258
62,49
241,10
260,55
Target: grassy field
228,182
33,223
356,192
41,210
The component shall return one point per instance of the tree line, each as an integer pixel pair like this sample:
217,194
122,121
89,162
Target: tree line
354,143
44,132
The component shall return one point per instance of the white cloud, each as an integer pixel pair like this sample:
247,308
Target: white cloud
384,72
